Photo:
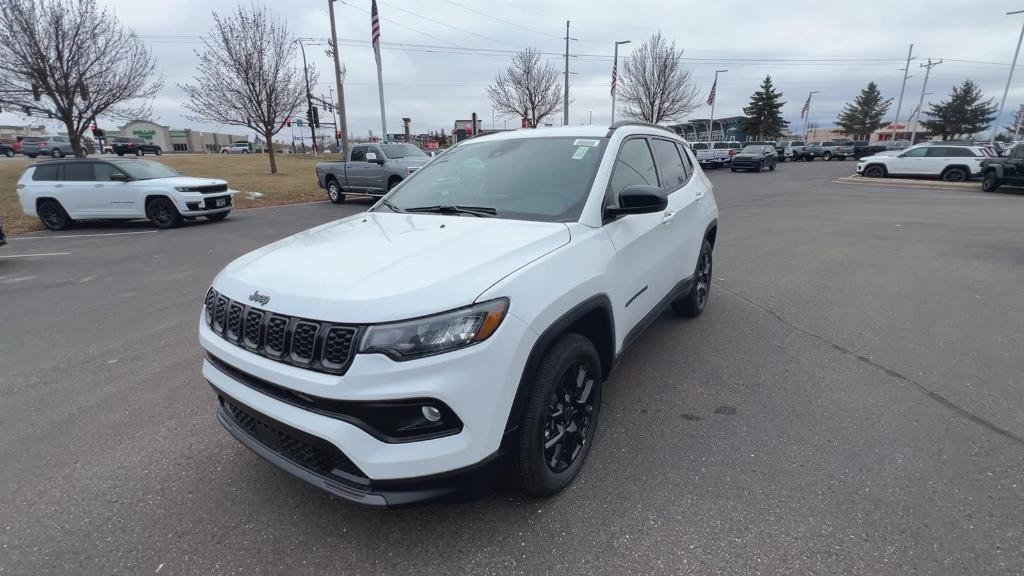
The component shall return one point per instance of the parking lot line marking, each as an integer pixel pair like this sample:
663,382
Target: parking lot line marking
280,205
33,255
82,235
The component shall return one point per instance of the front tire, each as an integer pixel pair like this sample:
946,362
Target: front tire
874,172
732,169
139,152
560,418
53,215
827,157
334,193
9,153
771,167
990,183
159,152
162,213
693,303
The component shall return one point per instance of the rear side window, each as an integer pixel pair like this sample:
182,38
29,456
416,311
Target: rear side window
78,172
670,165
635,165
687,161
45,172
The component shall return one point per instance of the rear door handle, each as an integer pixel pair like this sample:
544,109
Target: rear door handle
58,185
668,217
97,185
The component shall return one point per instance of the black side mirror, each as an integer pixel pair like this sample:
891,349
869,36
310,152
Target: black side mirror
119,177
638,199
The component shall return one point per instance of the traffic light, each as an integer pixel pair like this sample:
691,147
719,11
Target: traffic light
316,117
288,121
309,116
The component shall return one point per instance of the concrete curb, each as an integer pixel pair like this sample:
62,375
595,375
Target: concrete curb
909,183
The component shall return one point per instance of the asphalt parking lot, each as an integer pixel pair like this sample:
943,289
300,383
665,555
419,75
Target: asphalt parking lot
850,403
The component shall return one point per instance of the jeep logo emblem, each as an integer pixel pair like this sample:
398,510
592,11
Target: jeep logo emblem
258,298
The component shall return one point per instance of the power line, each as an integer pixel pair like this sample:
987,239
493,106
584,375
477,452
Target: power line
450,26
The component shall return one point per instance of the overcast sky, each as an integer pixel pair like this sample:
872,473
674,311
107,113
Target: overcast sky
859,41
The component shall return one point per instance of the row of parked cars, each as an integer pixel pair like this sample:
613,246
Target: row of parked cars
719,154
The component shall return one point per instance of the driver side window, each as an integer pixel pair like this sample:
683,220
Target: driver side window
359,154
635,165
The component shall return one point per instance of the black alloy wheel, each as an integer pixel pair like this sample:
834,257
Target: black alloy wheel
694,301
560,418
53,216
990,182
954,175
9,153
162,213
139,152
874,172
159,152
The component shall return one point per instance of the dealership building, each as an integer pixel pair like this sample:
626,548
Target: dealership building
171,140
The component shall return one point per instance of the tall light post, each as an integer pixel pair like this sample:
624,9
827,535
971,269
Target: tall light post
807,113
309,96
713,97
995,125
928,69
615,75
336,49
899,104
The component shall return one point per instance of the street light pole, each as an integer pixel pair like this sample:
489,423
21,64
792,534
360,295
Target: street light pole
336,49
615,75
995,125
711,121
928,69
899,104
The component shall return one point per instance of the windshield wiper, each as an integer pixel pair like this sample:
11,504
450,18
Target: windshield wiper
391,206
482,211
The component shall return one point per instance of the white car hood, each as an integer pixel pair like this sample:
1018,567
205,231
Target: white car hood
379,267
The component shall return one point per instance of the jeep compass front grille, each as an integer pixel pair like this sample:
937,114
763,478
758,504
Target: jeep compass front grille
311,344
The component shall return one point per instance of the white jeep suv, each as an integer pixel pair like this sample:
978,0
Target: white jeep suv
59,192
474,311
952,163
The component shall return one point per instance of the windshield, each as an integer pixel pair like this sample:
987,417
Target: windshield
146,170
401,151
752,149
542,179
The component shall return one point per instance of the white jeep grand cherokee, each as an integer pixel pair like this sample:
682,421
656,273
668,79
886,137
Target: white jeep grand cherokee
474,311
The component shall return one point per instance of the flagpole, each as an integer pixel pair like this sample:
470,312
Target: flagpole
375,25
713,97
615,75
807,111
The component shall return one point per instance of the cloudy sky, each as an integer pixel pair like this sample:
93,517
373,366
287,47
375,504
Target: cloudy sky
439,55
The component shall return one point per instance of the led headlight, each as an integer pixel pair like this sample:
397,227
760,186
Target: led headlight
435,334
186,189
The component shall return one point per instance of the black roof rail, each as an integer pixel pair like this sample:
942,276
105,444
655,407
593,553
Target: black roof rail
624,123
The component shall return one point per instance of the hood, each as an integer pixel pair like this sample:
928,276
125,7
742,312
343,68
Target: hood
411,161
183,181
747,157
379,267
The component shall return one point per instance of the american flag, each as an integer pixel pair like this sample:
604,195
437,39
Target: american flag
807,106
711,97
375,27
615,78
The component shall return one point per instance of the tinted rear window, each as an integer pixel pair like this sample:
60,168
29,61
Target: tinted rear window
45,172
78,172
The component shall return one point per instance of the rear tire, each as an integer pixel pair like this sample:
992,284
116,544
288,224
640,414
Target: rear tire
561,415
392,182
954,175
693,303
990,183
334,193
9,153
732,169
159,152
53,216
139,152
771,167
162,213
827,156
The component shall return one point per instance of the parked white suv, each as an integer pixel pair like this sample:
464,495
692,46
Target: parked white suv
59,192
950,162
474,311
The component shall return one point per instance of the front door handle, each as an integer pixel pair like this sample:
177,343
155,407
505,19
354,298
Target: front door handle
97,185
668,217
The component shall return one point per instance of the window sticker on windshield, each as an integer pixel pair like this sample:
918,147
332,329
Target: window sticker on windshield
586,142
580,153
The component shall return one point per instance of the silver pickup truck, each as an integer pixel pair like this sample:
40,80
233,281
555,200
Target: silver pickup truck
372,169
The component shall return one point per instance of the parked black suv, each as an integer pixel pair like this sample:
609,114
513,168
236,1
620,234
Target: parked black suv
1007,170
136,146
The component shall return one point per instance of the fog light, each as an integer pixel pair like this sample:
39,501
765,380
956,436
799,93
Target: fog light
432,414
192,205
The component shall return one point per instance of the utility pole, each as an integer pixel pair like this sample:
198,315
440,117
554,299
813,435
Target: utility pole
995,125
336,49
807,115
309,96
615,75
565,99
928,69
334,118
899,104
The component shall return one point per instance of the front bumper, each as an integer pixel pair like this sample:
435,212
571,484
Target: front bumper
478,383
199,204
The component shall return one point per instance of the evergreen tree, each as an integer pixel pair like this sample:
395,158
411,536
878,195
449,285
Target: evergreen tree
764,117
864,115
964,113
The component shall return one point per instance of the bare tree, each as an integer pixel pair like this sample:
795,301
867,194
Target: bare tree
245,75
527,89
655,86
73,61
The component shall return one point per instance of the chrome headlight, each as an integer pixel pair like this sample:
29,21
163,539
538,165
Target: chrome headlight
186,189
435,334
410,169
